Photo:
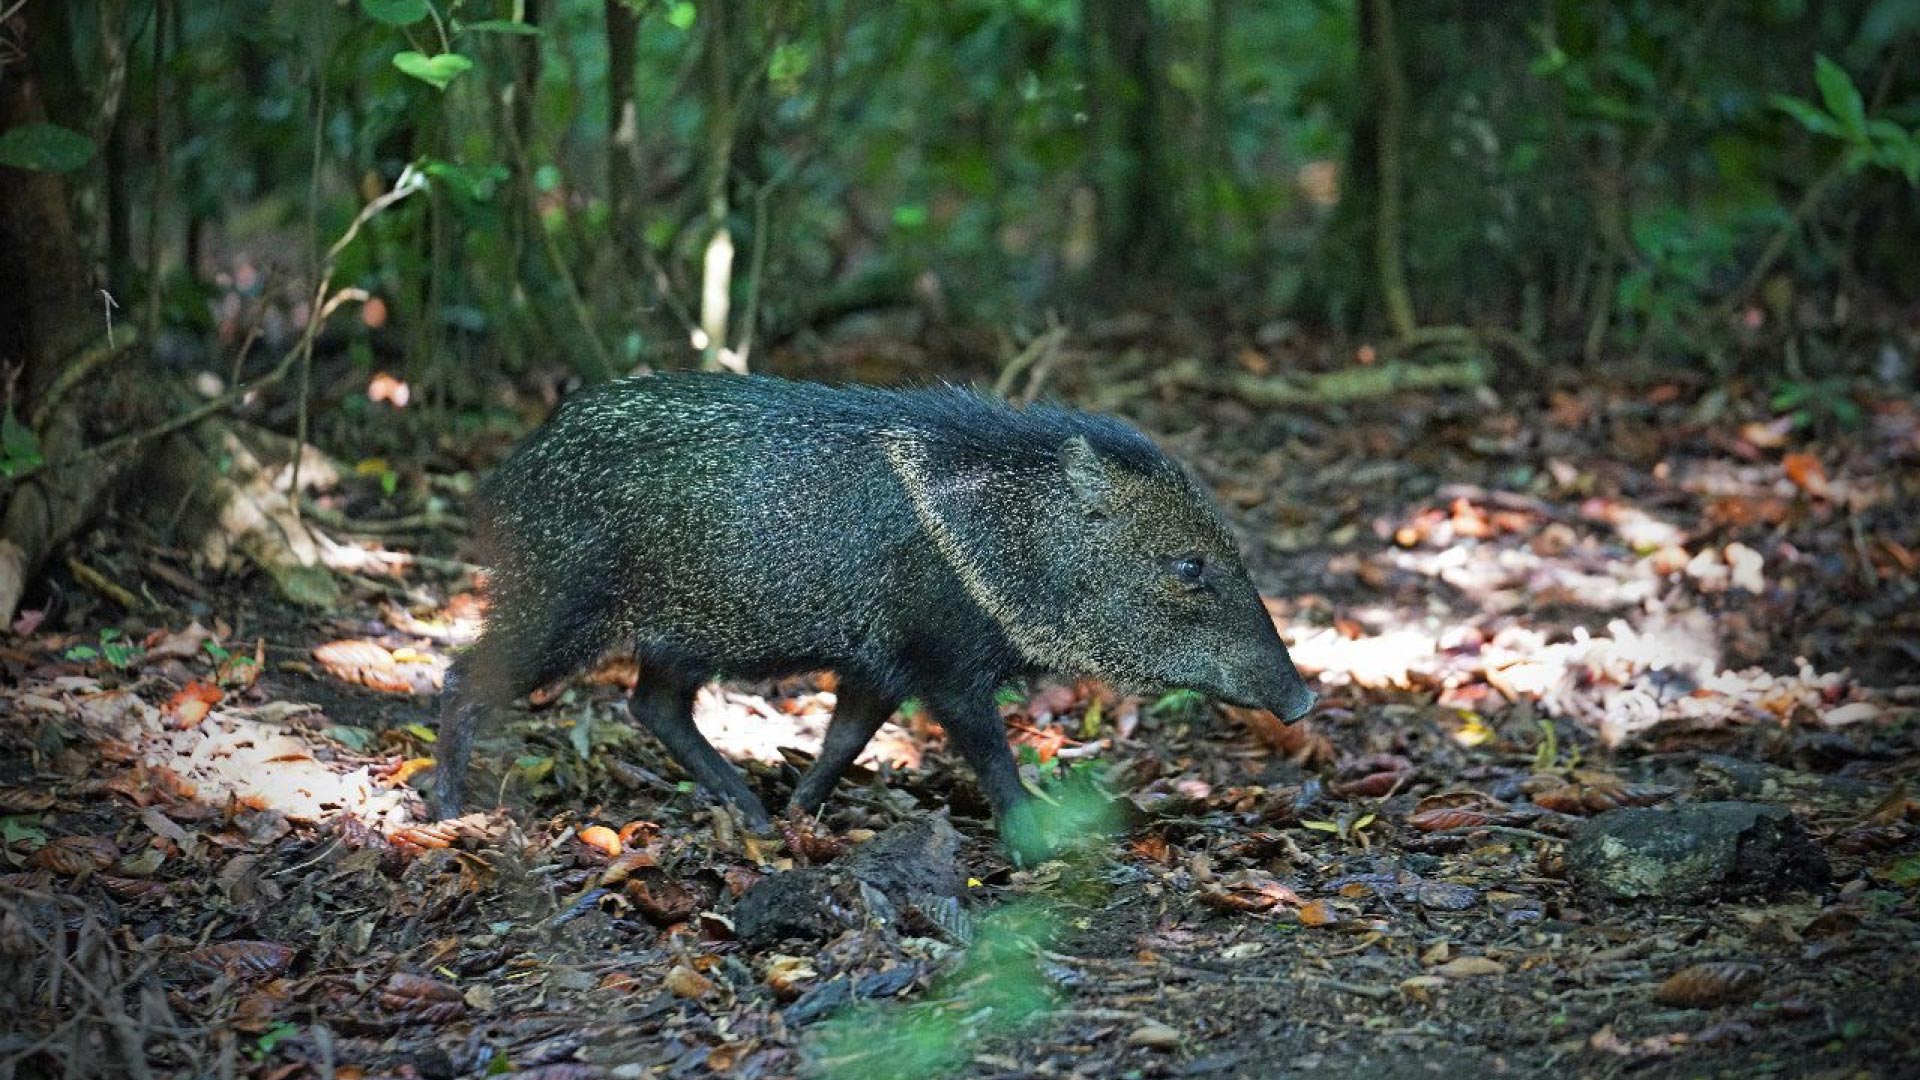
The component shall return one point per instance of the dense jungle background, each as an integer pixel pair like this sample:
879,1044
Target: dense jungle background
1555,363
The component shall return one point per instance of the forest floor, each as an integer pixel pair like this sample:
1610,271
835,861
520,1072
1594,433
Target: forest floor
1521,610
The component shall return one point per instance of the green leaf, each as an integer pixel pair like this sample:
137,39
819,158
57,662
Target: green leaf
19,447
1808,116
396,12
422,732
504,26
435,71
20,830
349,736
44,148
582,737
1841,96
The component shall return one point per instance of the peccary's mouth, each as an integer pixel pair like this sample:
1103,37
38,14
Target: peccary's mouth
1289,699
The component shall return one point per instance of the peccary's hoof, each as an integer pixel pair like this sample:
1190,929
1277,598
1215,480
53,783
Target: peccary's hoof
1694,852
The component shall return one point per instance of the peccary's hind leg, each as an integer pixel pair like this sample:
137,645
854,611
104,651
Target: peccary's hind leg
663,704
511,659
858,714
461,711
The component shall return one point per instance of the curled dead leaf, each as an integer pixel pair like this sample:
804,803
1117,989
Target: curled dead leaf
1469,967
1807,474
1583,799
191,704
244,960
1866,839
363,663
1247,890
685,982
71,856
1443,818
1318,913
24,800
1702,986
786,975
601,839
422,998
1154,1036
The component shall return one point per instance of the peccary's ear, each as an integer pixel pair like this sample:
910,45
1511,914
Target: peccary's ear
1087,475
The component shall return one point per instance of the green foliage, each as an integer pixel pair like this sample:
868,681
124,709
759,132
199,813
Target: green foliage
1820,404
113,648
45,148
1571,169
19,446
996,988
1875,142
435,71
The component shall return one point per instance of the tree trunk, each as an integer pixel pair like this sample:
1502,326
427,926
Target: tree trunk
716,265
1391,86
1139,229
48,315
623,137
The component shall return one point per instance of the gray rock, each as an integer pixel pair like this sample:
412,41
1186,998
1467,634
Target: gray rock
1695,851
906,870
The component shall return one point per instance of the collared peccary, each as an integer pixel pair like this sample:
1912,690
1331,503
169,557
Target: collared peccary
920,543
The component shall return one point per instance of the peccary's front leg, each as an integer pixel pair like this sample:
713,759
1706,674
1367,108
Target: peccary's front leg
857,714
974,727
664,706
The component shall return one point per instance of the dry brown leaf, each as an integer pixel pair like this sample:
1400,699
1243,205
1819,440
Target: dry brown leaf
244,959
601,839
24,800
191,704
1443,818
688,983
71,856
1469,967
787,974
1247,890
422,998
1318,913
1866,839
363,663
1597,798
1702,986
1807,474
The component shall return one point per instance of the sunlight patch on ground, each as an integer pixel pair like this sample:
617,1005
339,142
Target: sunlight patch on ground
748,727
1620,682
247,759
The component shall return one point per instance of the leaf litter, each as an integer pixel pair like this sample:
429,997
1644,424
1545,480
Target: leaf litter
1519,624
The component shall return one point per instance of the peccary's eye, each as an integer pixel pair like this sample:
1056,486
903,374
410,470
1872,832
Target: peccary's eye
1189,569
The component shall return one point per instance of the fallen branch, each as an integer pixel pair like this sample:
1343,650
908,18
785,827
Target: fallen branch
1328,388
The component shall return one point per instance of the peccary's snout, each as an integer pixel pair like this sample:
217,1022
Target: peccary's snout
1272,683
1297,703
